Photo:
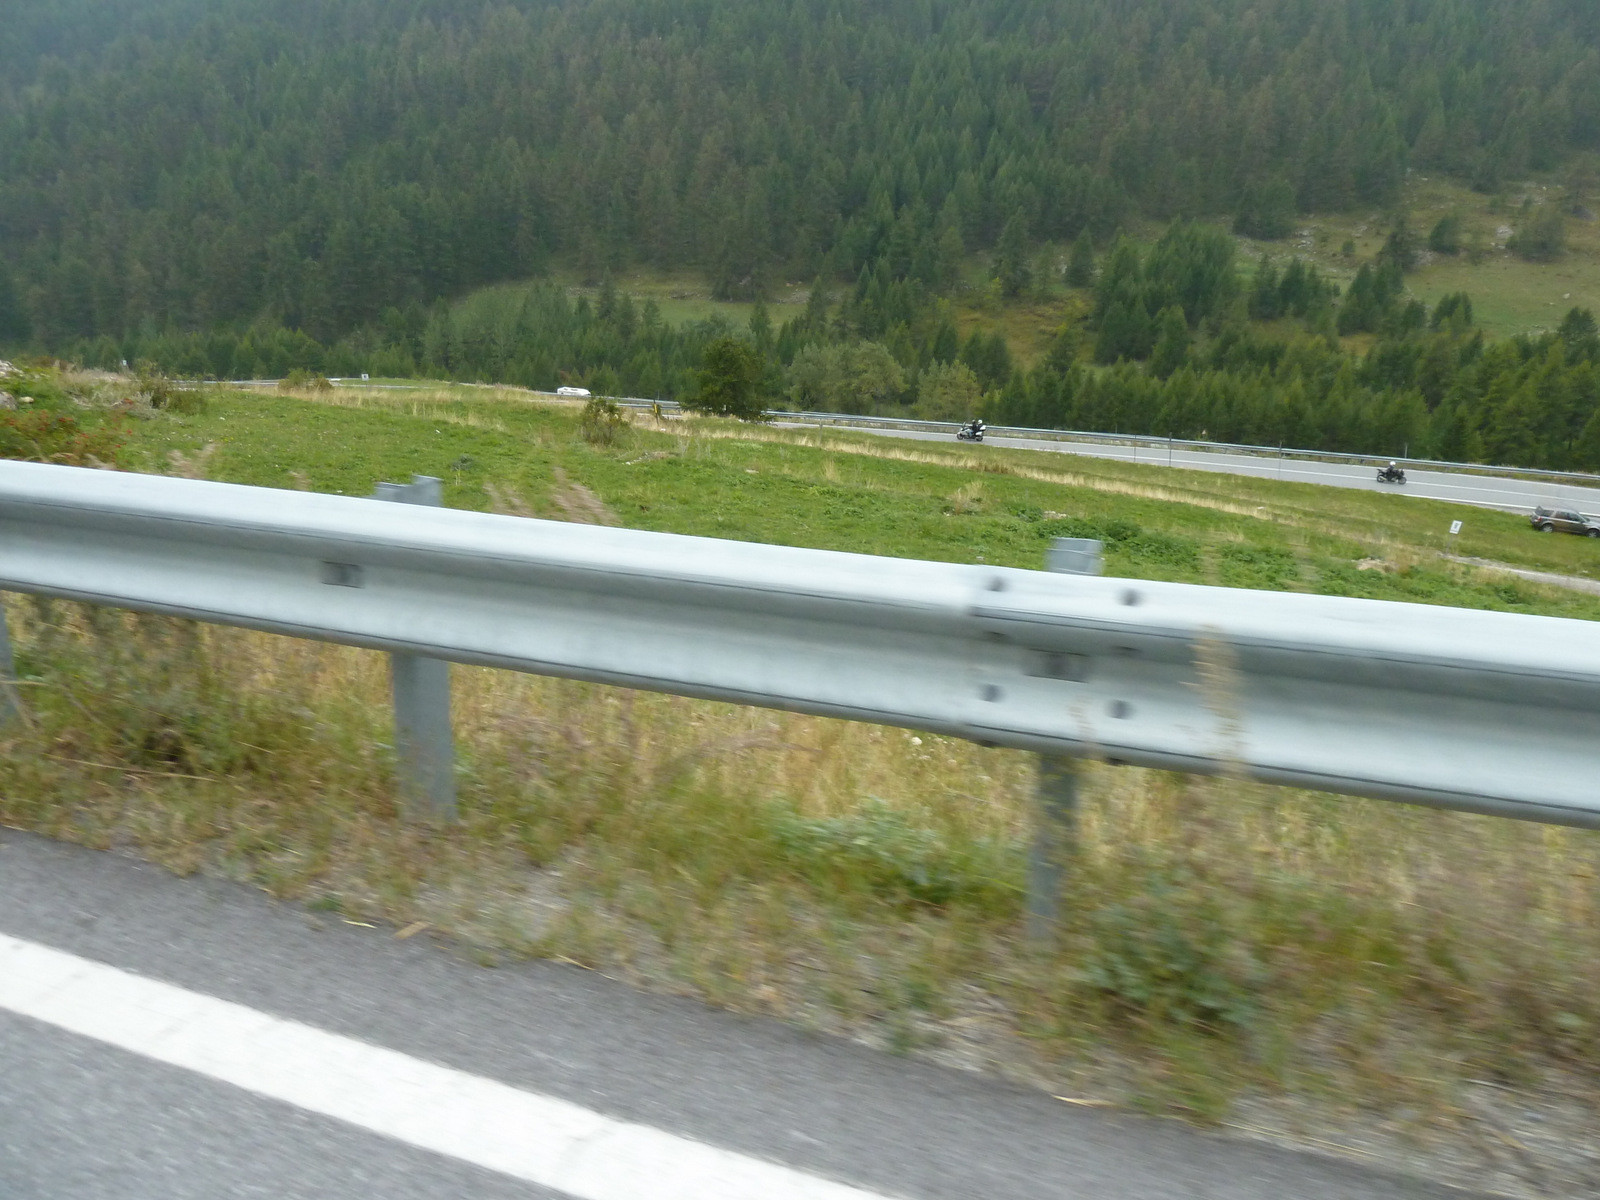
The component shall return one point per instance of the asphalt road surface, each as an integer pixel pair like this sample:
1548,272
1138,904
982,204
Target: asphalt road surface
1484,491
166,1039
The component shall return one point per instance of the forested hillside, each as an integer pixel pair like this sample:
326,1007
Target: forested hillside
314,162
354,185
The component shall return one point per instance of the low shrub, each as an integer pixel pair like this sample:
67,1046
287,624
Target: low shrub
1163,953
602,422
881,850
41,435
159,391
301,380
1270,568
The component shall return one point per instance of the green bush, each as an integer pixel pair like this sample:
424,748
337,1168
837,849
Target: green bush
880,851
1164,954
303,380
41,385
602,422
157,388
1269,568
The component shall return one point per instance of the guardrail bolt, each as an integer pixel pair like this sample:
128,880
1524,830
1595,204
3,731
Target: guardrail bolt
423,742
10,702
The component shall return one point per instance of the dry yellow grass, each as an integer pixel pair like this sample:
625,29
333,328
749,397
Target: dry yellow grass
312,781
1222,938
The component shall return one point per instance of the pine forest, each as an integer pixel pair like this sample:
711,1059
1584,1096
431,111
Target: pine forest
463,189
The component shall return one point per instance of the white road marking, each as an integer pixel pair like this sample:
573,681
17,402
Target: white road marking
541,1139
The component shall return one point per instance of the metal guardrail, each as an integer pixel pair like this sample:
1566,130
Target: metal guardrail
1480,711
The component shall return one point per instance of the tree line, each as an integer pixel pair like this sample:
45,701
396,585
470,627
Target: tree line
1220,354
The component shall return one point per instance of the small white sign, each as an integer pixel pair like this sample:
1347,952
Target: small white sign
1455,526
364,379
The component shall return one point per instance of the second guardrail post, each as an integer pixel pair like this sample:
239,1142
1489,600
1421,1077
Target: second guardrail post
1055,816
1054,842
423,743
10,702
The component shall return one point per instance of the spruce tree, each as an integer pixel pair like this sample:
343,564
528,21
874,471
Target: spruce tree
1266,299
1400,247
1268,211
1542,236
1172,342
1445,236
728,383
1080,266
1011,259
15,327
760,325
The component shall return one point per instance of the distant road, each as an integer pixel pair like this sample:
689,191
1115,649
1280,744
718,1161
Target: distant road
1507,493
1484,491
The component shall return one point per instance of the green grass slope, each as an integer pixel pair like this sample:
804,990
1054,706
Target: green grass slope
846,491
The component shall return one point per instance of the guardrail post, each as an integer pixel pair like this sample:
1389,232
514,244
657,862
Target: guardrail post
10,702
1056,793
1054,837
423,743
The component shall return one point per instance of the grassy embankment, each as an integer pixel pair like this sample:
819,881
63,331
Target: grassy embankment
1223,938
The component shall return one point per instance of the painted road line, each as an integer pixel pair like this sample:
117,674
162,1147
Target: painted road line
541,1139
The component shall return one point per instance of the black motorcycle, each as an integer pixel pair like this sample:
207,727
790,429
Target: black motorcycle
972,431
1391,474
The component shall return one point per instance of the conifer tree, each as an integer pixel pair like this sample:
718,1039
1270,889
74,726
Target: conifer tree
1172,343
15,327
1080,266
728,384
1011,259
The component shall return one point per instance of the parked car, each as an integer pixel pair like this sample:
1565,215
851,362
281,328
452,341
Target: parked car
581,393
1550,520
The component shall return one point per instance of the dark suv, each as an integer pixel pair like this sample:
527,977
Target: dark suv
1548,520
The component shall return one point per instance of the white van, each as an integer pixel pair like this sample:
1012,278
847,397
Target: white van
582,393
